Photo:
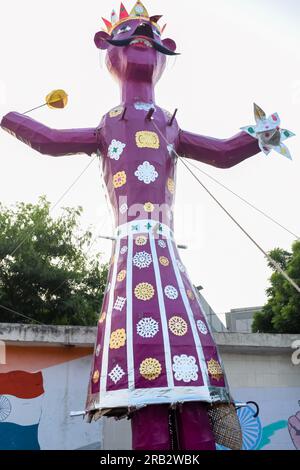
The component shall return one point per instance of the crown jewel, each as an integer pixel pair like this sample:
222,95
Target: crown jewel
138,11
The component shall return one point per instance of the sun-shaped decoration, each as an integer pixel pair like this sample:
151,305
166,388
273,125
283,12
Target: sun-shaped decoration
164,261
149,207
121,276
116,111
178,326
190,294
96,376
150,368
171,185
144,291
141,240
214,369
119,179
117,339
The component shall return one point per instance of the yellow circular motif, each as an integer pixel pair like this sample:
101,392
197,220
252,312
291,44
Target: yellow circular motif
190,294
102,318
116,111
117,339
121,276
141,240
96,376
119,179
214,369
150,368
164,261
149,207
178,326
171,185
144,291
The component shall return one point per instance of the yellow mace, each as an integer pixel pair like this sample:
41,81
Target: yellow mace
56,99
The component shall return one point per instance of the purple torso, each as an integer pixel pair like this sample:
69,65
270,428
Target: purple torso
153,343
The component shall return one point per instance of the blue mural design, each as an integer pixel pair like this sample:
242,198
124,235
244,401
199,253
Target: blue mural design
16,437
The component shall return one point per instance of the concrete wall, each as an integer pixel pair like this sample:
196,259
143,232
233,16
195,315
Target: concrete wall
259,368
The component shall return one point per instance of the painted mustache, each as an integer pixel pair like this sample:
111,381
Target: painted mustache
156,45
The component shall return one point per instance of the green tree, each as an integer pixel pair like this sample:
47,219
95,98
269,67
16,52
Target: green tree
281,314
46,270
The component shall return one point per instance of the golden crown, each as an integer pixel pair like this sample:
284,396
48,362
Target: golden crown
139,11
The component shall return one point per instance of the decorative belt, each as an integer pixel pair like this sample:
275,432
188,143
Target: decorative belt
147,226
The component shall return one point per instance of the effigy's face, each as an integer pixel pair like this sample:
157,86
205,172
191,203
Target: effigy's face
136,50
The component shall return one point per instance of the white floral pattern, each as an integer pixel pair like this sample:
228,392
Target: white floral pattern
147,327
146,173
119,303
123,208
185,368
123,250
141,106
115,149
170,148
202,327
116,374
180,266
162,243
171,292
142,259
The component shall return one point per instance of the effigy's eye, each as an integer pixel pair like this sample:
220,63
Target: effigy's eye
124,29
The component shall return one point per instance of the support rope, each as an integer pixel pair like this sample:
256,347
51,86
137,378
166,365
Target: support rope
267,256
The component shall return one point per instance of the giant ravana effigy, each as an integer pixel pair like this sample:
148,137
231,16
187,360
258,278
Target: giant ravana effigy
155,360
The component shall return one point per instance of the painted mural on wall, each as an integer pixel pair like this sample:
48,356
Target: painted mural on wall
35,405
278,425
20,409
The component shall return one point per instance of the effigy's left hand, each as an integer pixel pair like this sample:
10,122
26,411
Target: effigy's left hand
269,133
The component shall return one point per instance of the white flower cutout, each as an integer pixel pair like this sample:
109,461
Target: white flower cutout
180,266
162,243
185,368
171,292
171,150
202,327
115,149
142,259
123,208
146,173
147,327
123,250
116,373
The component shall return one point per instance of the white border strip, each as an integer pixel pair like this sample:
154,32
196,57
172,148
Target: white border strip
163,316
184,297
104,365
156,395
129,332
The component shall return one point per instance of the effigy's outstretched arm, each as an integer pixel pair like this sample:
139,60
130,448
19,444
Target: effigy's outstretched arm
222,153
49,141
